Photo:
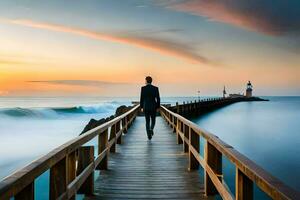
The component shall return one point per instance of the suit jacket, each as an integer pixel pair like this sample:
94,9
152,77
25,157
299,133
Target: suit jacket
150,99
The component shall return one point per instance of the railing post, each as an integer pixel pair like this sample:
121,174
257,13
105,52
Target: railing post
179,124
102,145
128,121
85,158
119,140
71,169
113,137
214,159
58,179
175,124
194,142
186,129
124,127
244,186
27,193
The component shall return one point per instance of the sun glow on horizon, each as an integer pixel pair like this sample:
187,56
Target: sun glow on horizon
42,54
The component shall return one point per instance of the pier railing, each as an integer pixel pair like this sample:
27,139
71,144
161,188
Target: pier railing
71,165
247,172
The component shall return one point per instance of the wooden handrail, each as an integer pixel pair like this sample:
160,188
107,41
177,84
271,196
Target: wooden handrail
21,183
247,172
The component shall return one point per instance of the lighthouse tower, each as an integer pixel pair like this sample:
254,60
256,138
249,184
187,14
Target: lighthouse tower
249,89
224,92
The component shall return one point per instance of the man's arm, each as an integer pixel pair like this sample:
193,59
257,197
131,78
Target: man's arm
157,99
142,99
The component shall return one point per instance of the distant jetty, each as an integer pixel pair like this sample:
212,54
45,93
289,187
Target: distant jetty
196,108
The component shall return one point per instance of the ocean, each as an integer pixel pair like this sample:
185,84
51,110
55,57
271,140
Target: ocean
266,132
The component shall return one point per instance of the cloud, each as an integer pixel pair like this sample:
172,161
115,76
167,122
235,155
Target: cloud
271,17
10,62
88,83
162,46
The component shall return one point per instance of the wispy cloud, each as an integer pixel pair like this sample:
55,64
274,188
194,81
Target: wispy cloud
271,17
88,83
162,46
12,60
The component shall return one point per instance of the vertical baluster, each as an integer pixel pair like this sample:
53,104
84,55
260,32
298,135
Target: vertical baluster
175,124
244,186
86,157
113,137
179,124
186,135
26,193
214,159
119,140
194,142
102,145
71,169
124,127
58,179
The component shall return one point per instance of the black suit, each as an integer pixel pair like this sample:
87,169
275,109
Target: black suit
150,101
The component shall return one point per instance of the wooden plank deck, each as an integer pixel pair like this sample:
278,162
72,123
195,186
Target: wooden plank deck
143,169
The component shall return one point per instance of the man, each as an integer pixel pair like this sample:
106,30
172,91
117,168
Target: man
150,103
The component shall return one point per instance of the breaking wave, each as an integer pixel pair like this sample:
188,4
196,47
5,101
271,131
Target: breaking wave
54,112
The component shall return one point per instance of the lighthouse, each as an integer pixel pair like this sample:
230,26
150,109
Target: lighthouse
224,92
249,90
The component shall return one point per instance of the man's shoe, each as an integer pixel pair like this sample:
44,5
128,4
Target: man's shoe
149,134
151,131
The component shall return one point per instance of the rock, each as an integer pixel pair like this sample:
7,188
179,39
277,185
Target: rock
122,109
93,123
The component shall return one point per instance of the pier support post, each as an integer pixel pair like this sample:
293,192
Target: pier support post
113,137
244,186
58,179
214,159
27,193
194,143
102,145
177,108
85,158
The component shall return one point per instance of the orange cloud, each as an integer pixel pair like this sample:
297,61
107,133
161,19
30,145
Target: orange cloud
164,47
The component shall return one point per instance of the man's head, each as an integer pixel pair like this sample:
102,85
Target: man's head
148,80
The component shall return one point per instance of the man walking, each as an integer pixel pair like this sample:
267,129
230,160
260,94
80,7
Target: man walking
150,103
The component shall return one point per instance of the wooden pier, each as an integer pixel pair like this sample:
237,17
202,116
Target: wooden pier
142,169
131,167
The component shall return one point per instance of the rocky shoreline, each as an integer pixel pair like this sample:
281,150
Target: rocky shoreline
93,123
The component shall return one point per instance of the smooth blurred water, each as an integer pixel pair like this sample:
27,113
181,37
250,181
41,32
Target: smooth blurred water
266,132
32,126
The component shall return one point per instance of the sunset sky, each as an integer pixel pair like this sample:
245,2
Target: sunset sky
107,47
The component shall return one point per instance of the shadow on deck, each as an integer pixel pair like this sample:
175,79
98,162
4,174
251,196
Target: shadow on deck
142,169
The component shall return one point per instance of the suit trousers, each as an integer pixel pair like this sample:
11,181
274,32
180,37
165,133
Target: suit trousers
150,115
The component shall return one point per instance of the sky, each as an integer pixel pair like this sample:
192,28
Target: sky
107,47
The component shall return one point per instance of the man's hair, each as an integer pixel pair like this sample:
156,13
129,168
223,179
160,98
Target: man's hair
148,79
